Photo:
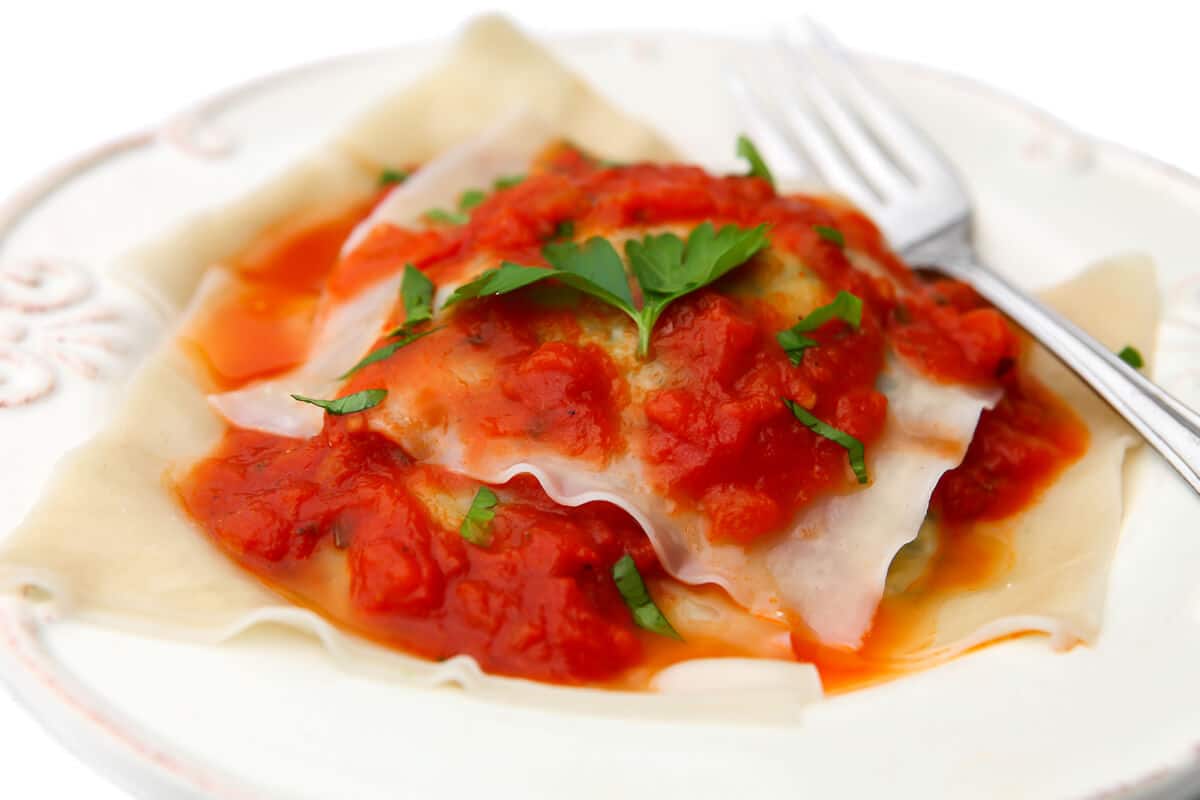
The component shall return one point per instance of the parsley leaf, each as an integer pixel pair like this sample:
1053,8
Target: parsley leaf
466,201
475,526
854,448
844,306
447,217
388,350
350,404
596,262
507,181
471,198
758,167
594,268
667,268
656,261
711,253
416,290
508,277
1131,356
633,592
390,176
831,235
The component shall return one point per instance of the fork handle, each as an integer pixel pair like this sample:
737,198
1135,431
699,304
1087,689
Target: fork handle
1168,425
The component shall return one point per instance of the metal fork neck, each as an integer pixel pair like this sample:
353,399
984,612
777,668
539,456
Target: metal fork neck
947,250
1167,424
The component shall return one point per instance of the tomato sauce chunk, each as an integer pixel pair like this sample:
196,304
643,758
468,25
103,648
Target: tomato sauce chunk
721,434
1018,448
538,601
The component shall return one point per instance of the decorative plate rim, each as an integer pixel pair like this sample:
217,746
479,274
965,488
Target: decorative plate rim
118,748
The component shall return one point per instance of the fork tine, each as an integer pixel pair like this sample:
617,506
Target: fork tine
834,167
873,162
763,126
910,146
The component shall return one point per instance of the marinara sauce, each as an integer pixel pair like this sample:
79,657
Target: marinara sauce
342,522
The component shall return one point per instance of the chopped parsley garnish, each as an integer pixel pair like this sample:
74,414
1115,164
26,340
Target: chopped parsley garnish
854,448
402,339
594,264
831,235
844,306
758,167
665,267
466,201
416,290
476,525
390,176
350,404
508,277
471,198
1131,356
447,217
633,592
507,181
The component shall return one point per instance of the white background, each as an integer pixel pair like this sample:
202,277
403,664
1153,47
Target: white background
74,74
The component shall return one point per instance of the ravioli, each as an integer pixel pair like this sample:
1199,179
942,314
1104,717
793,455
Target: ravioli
828,566
348,327
820,565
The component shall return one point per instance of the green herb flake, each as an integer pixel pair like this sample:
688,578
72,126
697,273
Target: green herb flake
597,264
416,291
471,198
476,526
758,167
507,181
350,404
447,217
831,235
593,268
667,268
844,306
853,447
634,593
405,338
391,176
1132,356
466,201
508,277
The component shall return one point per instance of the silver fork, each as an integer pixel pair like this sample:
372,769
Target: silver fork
837,122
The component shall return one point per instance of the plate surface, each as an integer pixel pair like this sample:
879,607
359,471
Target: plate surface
265,716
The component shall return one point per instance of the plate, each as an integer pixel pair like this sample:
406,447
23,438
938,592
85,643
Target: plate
269,716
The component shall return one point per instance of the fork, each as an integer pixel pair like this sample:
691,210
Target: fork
834,120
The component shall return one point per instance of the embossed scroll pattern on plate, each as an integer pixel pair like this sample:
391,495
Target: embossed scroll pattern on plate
51,320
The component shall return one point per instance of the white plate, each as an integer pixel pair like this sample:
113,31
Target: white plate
260,719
